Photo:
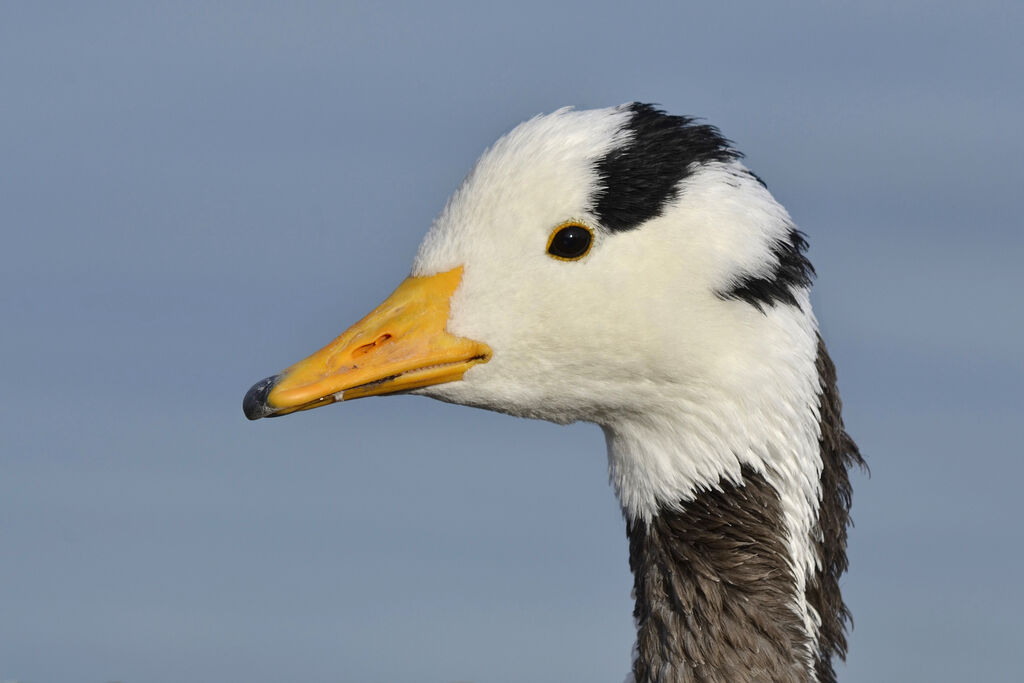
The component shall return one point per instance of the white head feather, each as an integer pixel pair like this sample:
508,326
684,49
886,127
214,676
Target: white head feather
637,336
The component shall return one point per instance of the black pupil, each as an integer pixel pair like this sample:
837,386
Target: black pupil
571,241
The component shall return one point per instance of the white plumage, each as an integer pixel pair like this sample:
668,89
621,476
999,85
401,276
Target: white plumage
697,378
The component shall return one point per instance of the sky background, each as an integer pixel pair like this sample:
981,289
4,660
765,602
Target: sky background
193,196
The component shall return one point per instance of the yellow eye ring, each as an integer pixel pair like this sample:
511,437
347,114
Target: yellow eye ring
570,241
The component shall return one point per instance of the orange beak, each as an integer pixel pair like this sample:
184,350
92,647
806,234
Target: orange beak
401,345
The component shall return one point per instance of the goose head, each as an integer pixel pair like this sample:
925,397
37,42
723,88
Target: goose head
618,266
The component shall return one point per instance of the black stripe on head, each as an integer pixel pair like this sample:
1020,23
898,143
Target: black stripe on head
640,177
792,270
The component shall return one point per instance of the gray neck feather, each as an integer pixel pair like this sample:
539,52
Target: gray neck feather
715,592
714,586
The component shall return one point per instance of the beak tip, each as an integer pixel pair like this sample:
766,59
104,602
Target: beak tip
254,405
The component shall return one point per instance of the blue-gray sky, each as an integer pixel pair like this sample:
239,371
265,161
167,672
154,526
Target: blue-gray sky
194,195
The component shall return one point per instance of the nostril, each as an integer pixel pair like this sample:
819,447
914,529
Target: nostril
366,348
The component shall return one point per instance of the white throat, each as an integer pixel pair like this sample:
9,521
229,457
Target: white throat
692,438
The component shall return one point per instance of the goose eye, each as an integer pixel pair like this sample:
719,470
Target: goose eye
570,241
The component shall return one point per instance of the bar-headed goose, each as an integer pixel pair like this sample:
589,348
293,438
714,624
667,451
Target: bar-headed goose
621,266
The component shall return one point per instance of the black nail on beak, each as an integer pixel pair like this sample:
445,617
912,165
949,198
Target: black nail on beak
254,405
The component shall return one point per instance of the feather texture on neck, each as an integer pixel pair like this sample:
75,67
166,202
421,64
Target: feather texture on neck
736,571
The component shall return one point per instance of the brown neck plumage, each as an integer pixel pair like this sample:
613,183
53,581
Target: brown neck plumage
716,599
